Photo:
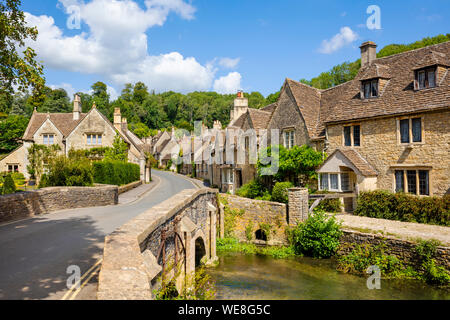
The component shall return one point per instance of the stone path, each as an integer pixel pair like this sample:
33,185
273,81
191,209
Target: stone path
403,230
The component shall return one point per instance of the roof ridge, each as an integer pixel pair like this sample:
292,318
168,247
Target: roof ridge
303,84
414,50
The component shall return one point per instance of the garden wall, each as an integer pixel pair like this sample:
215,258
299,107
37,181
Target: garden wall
30,203
130,186
256,212
402,249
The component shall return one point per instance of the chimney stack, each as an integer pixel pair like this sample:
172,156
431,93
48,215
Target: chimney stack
124,124
368,53
240,107
117,119
76,107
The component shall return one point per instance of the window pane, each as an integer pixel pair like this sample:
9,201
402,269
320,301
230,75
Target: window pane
16,168
424,188
356,136
374,88
51,139
417,130
334,182
292,139
324,181
412,183
399,181
99,139
421,79
88,139
404,130
431,78
367,90
286,139
347,137
45,139
345,182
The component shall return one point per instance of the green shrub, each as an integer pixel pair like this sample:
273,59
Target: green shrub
71,172
251,190
403,207
431,273
327,205
8,185
265,197
318,236
116,172
280,191
363,256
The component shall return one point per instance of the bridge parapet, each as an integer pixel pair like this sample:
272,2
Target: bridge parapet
178,232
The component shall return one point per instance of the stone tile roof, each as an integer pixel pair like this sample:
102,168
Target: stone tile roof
260,119
343,102
356,160
375,70
432,57
308,101
270,108
63,121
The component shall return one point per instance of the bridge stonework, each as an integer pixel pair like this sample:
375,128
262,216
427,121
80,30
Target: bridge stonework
167,240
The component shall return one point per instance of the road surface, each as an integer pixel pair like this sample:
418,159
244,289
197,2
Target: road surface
35,253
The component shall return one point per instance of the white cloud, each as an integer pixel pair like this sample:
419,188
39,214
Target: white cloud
230,83
66,86
115,45
229,62
343,38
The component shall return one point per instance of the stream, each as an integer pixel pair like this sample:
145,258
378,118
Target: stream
253,277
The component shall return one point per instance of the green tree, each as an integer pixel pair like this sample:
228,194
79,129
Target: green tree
17,68
56,101
297,164
11,131
119,151
8,185
100,97
140,129
38,156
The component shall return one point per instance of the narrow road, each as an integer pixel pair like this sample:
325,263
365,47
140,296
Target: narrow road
35,253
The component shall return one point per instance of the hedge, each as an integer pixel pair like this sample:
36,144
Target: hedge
280,191
64,172
404,207
116,172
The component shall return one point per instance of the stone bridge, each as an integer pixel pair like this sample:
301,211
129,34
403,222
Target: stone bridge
168,240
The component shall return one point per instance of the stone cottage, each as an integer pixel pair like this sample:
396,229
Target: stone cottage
389,128
76,131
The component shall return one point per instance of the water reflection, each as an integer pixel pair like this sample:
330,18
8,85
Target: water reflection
248,277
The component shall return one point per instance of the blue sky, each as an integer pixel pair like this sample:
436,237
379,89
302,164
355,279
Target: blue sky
221,45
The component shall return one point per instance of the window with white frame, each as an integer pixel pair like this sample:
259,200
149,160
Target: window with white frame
289,139
227,176
94,139
49,139
338,182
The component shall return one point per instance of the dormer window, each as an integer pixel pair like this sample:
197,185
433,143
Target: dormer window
370,88
425,78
